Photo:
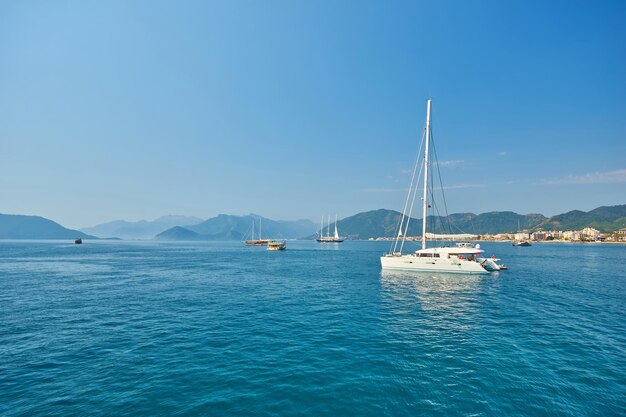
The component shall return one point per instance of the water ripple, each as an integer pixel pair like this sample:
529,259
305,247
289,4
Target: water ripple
143,328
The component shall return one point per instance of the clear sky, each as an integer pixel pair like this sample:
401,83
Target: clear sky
294,109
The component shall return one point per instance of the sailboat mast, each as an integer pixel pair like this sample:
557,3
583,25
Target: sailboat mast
328,227
336,231
259,228
425,202
322,227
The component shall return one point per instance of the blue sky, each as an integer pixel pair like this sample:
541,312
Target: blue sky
294,109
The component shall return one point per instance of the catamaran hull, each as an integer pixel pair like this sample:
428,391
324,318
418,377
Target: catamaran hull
413,263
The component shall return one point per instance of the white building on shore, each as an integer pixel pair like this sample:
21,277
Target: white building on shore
590,233
571,235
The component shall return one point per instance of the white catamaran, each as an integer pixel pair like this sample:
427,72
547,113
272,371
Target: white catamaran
454,259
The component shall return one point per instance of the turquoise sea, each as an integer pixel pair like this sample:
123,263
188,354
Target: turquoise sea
220,329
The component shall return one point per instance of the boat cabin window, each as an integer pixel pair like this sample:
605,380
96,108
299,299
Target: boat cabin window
428,255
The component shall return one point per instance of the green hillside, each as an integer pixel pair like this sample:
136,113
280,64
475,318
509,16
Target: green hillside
374,223
605,219
384,223
494,222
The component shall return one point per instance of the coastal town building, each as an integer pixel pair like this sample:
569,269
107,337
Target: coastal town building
586,234
590,233
539,236
555,234
617,236
571,235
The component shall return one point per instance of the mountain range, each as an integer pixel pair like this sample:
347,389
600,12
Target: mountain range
384,223
371,224
142,229
380,223
228,227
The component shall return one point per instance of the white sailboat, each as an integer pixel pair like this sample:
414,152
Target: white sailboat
328,238
454,259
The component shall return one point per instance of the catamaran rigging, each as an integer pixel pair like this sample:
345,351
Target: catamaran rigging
451,259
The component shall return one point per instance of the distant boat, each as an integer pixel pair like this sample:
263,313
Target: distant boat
78,241
276,245
520,242
259,241
328,238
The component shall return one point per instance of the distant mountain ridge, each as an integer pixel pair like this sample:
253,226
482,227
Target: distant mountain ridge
229,227
16,226
141,229
365,225
384,223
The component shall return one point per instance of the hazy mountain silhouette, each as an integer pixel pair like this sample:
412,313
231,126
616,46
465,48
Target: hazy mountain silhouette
15,226
229,227
142,229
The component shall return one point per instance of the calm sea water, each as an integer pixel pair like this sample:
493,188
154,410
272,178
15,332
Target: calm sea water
144,329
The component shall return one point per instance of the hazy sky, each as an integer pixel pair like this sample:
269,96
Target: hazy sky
294,109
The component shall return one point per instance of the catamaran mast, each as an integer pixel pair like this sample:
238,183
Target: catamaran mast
425,202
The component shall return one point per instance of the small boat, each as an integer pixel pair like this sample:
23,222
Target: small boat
328,238
276,245
78,241
491,264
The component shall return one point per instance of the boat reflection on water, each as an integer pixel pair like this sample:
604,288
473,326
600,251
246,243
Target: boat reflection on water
455,293
329,246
